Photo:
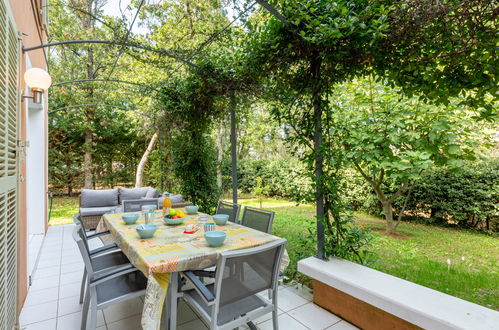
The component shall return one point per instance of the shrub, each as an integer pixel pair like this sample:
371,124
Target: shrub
468,197
286,177
358,194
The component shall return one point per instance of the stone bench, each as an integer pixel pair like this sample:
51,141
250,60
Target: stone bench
374,300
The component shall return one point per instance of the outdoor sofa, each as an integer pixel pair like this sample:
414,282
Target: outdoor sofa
95,203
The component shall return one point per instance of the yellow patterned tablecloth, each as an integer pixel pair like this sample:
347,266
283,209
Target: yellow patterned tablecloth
170,250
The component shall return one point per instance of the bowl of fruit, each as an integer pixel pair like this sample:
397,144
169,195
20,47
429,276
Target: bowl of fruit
174,217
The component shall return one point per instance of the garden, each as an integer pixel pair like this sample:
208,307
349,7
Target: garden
370,129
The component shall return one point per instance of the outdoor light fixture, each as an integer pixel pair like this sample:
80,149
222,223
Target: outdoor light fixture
39,80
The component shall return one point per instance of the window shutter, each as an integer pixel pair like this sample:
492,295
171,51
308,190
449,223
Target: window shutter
9,107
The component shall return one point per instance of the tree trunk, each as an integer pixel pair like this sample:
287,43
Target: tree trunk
388,211
220,140
142,164
87,160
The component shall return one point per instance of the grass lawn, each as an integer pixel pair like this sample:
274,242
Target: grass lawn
63,210
418,254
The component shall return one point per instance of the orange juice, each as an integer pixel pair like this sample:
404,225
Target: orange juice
167,203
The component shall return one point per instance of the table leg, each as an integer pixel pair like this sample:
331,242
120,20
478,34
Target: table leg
169,318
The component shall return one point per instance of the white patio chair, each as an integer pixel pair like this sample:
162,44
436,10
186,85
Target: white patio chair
233,299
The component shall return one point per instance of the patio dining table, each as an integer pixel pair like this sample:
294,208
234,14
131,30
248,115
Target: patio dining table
169,252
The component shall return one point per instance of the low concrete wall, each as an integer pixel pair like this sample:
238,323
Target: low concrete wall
356,311
374,300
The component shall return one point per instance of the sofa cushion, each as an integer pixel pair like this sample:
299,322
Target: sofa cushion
98,198
127,194
152,193
176,199
93,211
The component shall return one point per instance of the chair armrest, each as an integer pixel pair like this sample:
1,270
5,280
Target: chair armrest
102,233
102,249
204,273
112,273
200,287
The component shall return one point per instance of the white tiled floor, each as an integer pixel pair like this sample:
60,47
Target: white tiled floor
52,301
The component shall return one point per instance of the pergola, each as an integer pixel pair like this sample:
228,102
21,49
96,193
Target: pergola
233,137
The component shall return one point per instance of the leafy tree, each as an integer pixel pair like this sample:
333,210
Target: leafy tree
323,42
105,136
391,140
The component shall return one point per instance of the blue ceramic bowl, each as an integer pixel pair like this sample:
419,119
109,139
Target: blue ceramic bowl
172,222
191,209
215,238
220,219
130,218
146,231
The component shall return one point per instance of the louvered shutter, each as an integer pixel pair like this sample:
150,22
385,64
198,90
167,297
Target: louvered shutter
9,105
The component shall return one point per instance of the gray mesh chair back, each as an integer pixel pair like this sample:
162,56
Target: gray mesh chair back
231,209
106,286
135,205
240,275
258,219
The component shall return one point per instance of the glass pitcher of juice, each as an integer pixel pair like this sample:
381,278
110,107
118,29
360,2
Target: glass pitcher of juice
167,203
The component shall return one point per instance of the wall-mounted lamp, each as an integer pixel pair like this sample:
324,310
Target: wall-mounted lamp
39,80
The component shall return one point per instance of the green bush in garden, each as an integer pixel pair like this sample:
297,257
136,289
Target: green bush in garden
468,197
284,176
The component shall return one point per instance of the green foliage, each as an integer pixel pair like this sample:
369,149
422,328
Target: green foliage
194,164
468,196
358,194
260,190
284,177
189,106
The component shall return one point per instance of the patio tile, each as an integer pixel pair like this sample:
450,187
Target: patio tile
266,317
48,264
185,313
41,296
37,313
302,291
123,310
69,290
47,249
43,257
193,325
69,306
44,283
73,277
73,321
43,325
313,316
47,272
343,325
72,267
130,323
285,322
289,300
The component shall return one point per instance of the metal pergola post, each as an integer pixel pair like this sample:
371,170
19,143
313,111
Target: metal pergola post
233,145
319,193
